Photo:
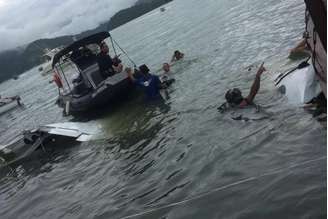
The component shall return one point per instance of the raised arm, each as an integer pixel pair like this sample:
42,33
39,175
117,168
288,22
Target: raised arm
173,58
256,84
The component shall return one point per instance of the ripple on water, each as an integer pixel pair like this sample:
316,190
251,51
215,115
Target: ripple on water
181,158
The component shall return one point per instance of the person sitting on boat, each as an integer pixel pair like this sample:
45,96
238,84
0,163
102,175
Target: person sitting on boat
107,67
177,56
151,83
234,96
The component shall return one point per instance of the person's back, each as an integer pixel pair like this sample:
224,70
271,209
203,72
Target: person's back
149,82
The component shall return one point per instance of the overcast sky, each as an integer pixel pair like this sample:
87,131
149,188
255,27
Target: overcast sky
23,21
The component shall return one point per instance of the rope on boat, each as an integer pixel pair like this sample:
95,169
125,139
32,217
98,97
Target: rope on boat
273,172
113,40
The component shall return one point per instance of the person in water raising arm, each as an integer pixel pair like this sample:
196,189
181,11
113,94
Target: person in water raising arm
234,96
149,82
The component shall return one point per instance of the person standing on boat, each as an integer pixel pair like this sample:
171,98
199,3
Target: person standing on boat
151,83
234,96
105,62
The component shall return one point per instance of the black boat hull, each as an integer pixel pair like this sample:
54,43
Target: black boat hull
104,95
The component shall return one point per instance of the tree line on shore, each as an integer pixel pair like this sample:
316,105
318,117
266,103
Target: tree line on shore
15,62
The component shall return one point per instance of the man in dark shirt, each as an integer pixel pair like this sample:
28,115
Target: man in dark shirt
105,62
151,83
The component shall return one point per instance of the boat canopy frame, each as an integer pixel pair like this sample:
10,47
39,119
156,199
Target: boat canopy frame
92,39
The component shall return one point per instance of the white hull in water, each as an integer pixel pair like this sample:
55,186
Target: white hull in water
8,104
300,85
46,136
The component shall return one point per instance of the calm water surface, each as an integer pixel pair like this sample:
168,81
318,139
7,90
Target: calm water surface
181,158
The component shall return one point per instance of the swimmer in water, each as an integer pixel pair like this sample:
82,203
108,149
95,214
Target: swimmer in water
234,97
177,56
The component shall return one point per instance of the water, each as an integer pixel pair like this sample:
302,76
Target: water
181,158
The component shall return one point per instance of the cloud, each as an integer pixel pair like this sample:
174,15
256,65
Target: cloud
23,21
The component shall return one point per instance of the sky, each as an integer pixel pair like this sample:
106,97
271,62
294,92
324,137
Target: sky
23,21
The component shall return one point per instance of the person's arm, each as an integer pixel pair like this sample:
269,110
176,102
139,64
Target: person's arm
300,47
130,75
256,84
173,58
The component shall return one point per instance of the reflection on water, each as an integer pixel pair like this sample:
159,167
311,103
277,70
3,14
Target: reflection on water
180,157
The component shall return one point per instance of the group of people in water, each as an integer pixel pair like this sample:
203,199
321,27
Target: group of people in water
152,84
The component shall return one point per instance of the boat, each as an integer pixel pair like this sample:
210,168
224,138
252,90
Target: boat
48,55
300,84
89,89
316,38
9,103
46,67
47,136
308,81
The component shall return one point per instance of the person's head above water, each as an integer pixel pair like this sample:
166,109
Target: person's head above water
234,96
144,69
166,67
178,55
104,47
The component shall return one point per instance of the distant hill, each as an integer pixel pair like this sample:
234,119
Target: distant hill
15,62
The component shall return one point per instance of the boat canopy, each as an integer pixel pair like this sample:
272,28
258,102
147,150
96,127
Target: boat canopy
92,39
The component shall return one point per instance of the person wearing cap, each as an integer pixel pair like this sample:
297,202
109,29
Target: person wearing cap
149,82
234,96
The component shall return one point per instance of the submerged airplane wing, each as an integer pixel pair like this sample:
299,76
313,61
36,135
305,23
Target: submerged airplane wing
80,131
